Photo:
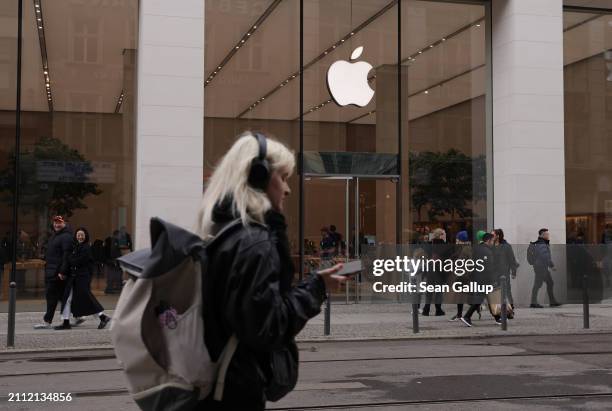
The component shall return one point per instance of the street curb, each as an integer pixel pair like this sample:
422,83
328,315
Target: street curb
331,339
452,337
5,350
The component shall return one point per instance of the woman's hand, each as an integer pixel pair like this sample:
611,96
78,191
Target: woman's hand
61,277
331,279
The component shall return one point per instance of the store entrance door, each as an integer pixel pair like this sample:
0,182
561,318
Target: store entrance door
344,213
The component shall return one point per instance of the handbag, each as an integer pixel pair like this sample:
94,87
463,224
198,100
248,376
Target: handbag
494,299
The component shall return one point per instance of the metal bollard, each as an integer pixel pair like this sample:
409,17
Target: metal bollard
327,324
10,336
504,313
585,302
415,318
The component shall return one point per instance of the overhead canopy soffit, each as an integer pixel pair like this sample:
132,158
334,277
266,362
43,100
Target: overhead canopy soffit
94,82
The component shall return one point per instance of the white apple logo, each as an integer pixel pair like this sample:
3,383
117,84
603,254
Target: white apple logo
348,82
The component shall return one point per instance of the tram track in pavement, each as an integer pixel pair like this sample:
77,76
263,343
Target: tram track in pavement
368,405
330,360
352,388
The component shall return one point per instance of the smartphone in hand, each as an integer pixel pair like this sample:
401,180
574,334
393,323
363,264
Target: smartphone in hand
350,268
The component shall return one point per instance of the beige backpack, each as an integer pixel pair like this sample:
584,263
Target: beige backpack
158,327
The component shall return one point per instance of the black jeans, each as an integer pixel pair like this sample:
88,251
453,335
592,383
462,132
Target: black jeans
54,291
477,300
542,275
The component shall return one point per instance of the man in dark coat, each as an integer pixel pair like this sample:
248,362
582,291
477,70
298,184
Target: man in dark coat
483,252
543,262
56,267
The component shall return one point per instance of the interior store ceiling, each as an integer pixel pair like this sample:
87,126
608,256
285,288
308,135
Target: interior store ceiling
450,72
85,42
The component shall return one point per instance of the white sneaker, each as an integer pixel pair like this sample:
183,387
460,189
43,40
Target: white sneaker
43,326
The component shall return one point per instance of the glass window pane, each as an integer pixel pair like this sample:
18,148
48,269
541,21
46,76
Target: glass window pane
587,40
68,106
250,49
443,118
8,88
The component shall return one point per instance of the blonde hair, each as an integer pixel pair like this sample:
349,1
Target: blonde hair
230,179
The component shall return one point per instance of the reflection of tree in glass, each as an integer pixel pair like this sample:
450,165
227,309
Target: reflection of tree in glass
444,183
54,179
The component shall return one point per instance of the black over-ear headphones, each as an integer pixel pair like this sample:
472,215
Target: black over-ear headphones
259,174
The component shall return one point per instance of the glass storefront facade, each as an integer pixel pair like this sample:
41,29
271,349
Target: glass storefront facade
587,42
413,157
76,131
384,171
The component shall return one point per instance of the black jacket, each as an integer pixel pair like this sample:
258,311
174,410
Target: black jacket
80,260
248,292
487,275
505,261
59,248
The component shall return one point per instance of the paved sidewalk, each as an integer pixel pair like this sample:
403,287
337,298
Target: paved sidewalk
350,322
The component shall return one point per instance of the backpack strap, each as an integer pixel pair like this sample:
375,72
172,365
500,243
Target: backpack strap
225,357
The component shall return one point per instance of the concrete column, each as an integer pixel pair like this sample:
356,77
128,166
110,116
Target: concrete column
170,113
528,129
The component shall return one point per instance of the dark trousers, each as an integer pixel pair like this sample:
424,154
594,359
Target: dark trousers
54,291
427,305
478,299
542,275
434,278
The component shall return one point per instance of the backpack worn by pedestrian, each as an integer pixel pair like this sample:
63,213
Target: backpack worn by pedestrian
531,253
158,326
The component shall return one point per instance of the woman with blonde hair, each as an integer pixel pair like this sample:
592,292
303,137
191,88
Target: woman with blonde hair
248,288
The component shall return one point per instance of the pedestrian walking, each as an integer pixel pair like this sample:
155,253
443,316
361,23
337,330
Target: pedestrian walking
484,252
56,265
541,260
248,289
463,251
438,251
78,298
505,261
